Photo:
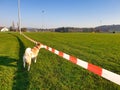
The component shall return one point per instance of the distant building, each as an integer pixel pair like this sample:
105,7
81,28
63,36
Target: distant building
4,29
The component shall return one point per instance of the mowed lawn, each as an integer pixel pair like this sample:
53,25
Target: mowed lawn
52,72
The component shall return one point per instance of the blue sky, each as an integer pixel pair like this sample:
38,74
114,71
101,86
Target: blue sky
60,13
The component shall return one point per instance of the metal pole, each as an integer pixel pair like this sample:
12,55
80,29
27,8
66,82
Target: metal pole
19,21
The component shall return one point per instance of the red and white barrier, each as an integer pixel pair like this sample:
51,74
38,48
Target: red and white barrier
93,68
29,38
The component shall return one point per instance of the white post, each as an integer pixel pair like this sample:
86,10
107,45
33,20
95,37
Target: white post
19,21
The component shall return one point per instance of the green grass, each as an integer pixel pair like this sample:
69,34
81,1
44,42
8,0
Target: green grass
52,72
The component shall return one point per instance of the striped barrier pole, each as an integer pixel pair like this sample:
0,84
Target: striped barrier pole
113,77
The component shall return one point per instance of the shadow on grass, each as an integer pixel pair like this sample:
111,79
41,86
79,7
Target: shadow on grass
7,61
21,79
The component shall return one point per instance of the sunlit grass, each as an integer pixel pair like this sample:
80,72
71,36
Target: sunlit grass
53,72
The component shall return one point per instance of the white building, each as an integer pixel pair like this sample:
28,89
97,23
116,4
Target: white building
4,29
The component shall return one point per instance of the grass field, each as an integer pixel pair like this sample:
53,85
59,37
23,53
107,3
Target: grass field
52,72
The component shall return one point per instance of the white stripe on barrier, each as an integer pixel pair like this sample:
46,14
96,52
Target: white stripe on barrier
57,52
66,56
111,76
50,49
82,63
44,46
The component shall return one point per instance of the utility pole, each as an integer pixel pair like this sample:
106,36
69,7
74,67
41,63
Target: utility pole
19,19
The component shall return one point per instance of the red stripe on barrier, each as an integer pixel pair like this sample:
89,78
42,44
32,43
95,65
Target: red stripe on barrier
47,47
53,50
73,59
60,53
95,69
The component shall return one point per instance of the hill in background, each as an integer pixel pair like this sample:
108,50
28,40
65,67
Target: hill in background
103,28
108,28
